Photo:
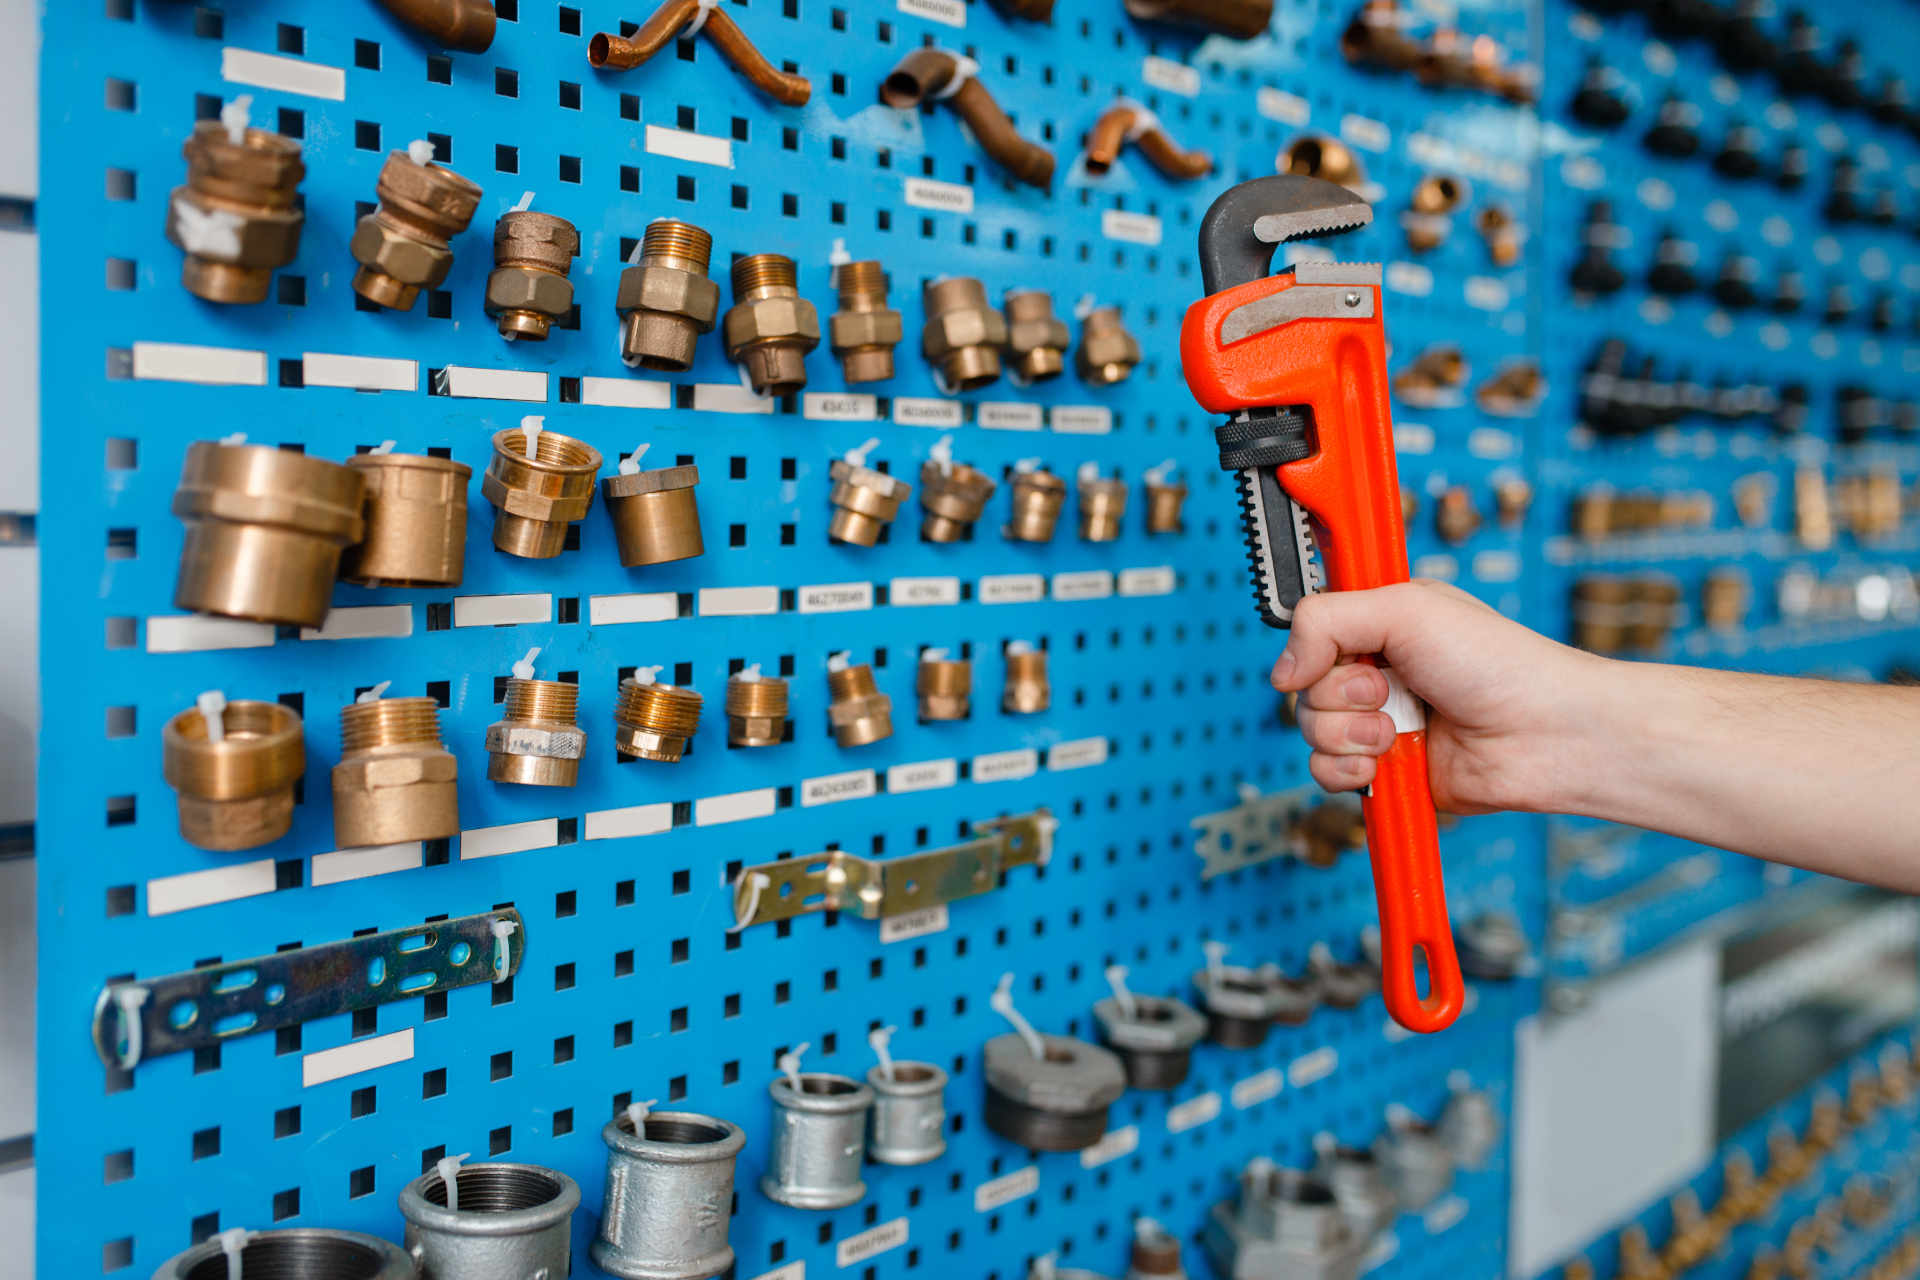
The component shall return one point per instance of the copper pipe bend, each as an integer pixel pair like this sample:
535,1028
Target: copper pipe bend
623,53
1119,124
928,75
465,25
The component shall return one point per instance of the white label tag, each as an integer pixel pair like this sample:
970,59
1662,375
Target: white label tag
1151,580
1277,104
1193,1113
1363,132
836,597
1117,1143
1490,442
1078,754
1410,278
1081,419
1174,77
1583,173
677,144
1412,437
910,592
1309,1067
856,784
919,411
1012,588
948,197
924,775
874,1240
951,13
1257,1088
1496,566
1083,584
1006,1189
839,406
792,1271
729,397
1001,415
1444,1214
1486,293
1131,228
913,924
1005,766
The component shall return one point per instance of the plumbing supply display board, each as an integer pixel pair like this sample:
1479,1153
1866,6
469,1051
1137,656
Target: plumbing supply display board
630,982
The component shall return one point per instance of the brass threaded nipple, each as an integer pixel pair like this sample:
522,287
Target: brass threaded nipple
851,682
862,283
669,238
659,708
387,722
763,271
542,700
766,696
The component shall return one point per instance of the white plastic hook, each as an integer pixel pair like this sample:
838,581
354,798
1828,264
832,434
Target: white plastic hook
630,465
530,428
637,1113
937,653
1401,1117
1320,956
964,69
857,456
1158,476
232,1241
1089,472
1145,1228
213,706
1042,1268
374,694
1216,958
448,1167
420,151
879,1038
1084,307
1117,979
1026,466
235,116
1002,1004
526,203
837,257
502,953
1458,1081
789,1063
646,675
942,454
757,883
132,1044
523,669
384,447
839,661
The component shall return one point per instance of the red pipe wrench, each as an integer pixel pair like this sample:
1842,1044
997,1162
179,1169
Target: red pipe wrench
1298,362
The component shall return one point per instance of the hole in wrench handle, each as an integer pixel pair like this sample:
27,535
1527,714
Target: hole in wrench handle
1404,846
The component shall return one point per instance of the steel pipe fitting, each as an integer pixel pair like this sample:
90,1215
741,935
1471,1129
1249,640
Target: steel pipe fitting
537,744
770,328
909,1117
416,522
669,1198
1057,1101
1103,504
1241,19
1036,338
865,501
1290,1001
1470,1127
1166,499
1340,984
495,1222
395,781
1027,691
238,215
1360,1187
865,330
1237,1002
856,709
528,289
1327,830
1037,499
930,75
623,53
963,334
1492,946
1416,1162
402,245
1154,1253
756,709
819,1141
297,1253
656,518
1125,122
1154,1039
944,686
653,721
666,300
1285,1224
1107,352
463,25
535,497
236,792
953,495
265,529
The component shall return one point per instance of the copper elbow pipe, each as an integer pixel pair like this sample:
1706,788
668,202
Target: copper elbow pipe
624,53
922,74
465,25
1115,128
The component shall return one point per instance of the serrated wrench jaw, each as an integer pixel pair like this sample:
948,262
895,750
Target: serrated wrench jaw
1281,554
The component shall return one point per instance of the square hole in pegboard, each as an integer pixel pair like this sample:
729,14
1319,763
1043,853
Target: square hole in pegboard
360,1183
117,1255
286,1204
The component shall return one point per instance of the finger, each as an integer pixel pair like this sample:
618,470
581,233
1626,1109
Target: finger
1347,733
1350,686
1327,625
1341,773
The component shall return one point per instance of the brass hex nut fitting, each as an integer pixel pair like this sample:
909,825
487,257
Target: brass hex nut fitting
1327,830
865,330
666,300
395,781
236,793
537,744
655,517
535,498
1512,499
953,495
756,709
1103,504
865,501
1514,392
770,328
1037,498
963,334
1027,691
1036,337
265,529
402,246
528,289
1107,352
1503,235
416,518
1455,517
238,215
1165,499
856,709
944,686
653,721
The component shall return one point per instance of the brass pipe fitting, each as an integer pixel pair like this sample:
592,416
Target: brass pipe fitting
653,721
953,495
1037,499
1036,338
856,709
528,289
238,215
1512,499
1126,121
265,529
1428,219
1515,391
623,53
656,519
537,743
535,498
1434,376
463,25
770,327
395,782
1165,499
416,522
402,245
666,300
1107,352
1327,830
756,709
1316,155
1027,691
963,334
1241,19
865,500
1376,38
1724,600
1502,234
1455,517
928,74
1031,10
944,686
1103,504
237,792
865,330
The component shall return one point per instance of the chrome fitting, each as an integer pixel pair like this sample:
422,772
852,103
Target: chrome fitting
669,1197
297,1253
909,1118
819,1141
1416,1161
1360,1187
493,1222
1285,1225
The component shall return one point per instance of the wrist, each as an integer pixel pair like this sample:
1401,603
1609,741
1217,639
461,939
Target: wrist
1590,737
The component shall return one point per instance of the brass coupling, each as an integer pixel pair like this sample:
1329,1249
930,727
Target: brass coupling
1026,691
1515,391
1037,498
539,482
238,215
623,53
952,495
1317,155
770,328
537,742
528,289
1725,597
1327,830
944,686
666,300
756,709
656,519
1512,499
402,245
856,709
416,521
1127,121
1503,234
963,334
265,529
652,720
1377,37
1241,19
233,783
865,499
1036,338
1455,517
395,781
1166,498
1433,377
464,25
931,75
1103,504
865,330
1107,352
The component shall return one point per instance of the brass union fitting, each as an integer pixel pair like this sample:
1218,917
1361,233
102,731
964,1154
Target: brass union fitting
535,498
1103,503
756,709
537,744
1037,497
402,246
666,301
416,517
265,528
238,216
1027,690
1036,337
952,494
1165,499
394,782
653,721
865,500
865,330
856,709
528,289
963,334
770,328
237,792
944,686
655,517
1107,352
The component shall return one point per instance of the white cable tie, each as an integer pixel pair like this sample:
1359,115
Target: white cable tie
1117,979
1084,307
936,654
878,1038
1019,646
1401,1117
235,116
635,254
1158,476
1042,1268
699,19
942,454
940,382
1458,1081
530,428
789,1063
132,1043
420,151
1320,956
1002,1004
1143,118
523,669
235,437
213,233
630,465
1247,792
964,69
757,882
1026,466
1324,1143
502,953
374,694
837,257
448,1167
747,383
526,203
1145,1228
383,448
637,1113
1216,958
857,456
213,706
232,1241
839,661
1089,472
749,672
646,675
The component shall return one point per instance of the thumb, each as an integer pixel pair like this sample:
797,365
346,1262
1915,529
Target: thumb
1330,624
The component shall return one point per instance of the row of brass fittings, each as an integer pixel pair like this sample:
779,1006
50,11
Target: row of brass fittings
1428,217
1600,511
1379,36
1630,614
1437,376
1457,516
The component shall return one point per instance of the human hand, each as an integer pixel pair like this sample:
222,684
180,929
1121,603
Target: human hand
1508,710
